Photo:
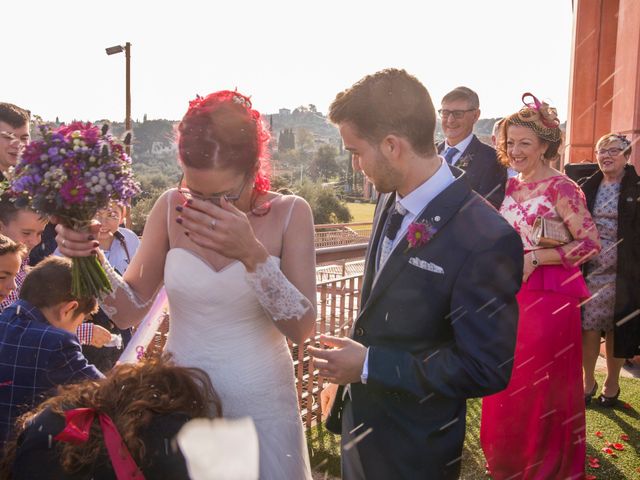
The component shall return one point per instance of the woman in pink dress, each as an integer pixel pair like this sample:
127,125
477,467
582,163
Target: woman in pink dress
535,429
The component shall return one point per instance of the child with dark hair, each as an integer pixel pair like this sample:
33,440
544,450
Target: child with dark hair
39,349
22,225
138,409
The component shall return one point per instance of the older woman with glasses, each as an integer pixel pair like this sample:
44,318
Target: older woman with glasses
613,277
238,265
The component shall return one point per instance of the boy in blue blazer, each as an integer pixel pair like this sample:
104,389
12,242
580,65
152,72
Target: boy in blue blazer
39,349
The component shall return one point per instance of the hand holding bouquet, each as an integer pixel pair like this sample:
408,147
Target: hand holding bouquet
72,172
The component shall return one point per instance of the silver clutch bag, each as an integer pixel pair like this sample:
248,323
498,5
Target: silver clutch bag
550,232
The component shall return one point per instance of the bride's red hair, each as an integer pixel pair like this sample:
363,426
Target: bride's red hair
223,130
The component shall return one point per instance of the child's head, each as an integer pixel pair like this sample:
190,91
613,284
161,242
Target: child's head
110,219
48,288
21,225
11,255
134,396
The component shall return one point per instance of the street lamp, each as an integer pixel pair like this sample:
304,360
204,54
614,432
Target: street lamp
127,52
127,119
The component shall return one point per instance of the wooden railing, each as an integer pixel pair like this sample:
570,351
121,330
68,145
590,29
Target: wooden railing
338,234
338,304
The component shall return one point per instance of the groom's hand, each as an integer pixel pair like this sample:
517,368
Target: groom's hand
341,364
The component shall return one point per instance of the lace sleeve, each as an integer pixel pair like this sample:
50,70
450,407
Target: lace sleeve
571,205
277,295
122,301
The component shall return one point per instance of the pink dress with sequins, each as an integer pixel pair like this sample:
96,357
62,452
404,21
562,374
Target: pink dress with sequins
535,429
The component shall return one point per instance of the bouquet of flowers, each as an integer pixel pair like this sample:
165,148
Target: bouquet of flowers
72,172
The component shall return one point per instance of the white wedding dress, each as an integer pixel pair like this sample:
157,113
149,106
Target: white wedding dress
218,325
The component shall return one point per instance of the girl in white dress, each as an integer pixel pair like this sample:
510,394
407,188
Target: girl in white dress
238,264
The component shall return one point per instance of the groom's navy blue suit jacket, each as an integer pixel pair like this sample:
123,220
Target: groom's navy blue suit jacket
440,322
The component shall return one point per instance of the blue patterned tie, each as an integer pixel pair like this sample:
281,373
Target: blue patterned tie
393,226
450,153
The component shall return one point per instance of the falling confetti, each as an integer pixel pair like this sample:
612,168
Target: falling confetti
349,445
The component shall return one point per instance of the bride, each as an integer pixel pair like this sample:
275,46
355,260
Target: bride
238,264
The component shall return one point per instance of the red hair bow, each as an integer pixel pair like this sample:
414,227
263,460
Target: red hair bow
78,428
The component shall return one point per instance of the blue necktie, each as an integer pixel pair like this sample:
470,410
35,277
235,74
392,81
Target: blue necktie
449,154
394,222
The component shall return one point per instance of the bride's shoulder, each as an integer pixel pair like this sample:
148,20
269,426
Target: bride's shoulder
285,203
168,197
289,207
166,200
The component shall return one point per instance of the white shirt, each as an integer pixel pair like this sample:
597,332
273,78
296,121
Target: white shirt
460,146
414,204
416,201
117,256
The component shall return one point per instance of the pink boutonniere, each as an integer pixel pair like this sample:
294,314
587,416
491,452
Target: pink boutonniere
419,234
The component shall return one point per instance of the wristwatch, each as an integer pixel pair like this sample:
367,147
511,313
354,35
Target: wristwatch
534,259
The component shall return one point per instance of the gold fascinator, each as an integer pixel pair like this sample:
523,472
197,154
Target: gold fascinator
539,116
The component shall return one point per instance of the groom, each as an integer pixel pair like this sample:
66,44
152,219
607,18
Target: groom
439,314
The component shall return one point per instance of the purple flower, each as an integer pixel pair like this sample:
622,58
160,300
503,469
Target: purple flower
102,156
73,191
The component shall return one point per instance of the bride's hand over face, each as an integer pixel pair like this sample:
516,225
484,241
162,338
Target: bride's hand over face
223,229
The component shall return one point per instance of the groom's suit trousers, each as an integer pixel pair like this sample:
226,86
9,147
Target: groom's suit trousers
351,465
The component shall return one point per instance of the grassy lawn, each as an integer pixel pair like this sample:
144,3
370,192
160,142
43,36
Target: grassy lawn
361,212
603,425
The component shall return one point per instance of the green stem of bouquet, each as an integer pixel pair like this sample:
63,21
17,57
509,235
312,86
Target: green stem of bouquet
88,276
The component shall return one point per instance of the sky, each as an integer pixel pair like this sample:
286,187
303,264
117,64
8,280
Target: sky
283,53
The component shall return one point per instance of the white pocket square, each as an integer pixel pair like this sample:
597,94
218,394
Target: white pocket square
429,266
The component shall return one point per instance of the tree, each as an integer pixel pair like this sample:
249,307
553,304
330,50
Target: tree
324,164
325,204
304,139
286,140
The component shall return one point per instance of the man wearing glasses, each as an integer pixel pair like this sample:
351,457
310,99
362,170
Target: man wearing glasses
14,134
460,110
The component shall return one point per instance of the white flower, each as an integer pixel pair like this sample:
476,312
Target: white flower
103,182
94,179
44,157
111,177
108,188
102,175
97,189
